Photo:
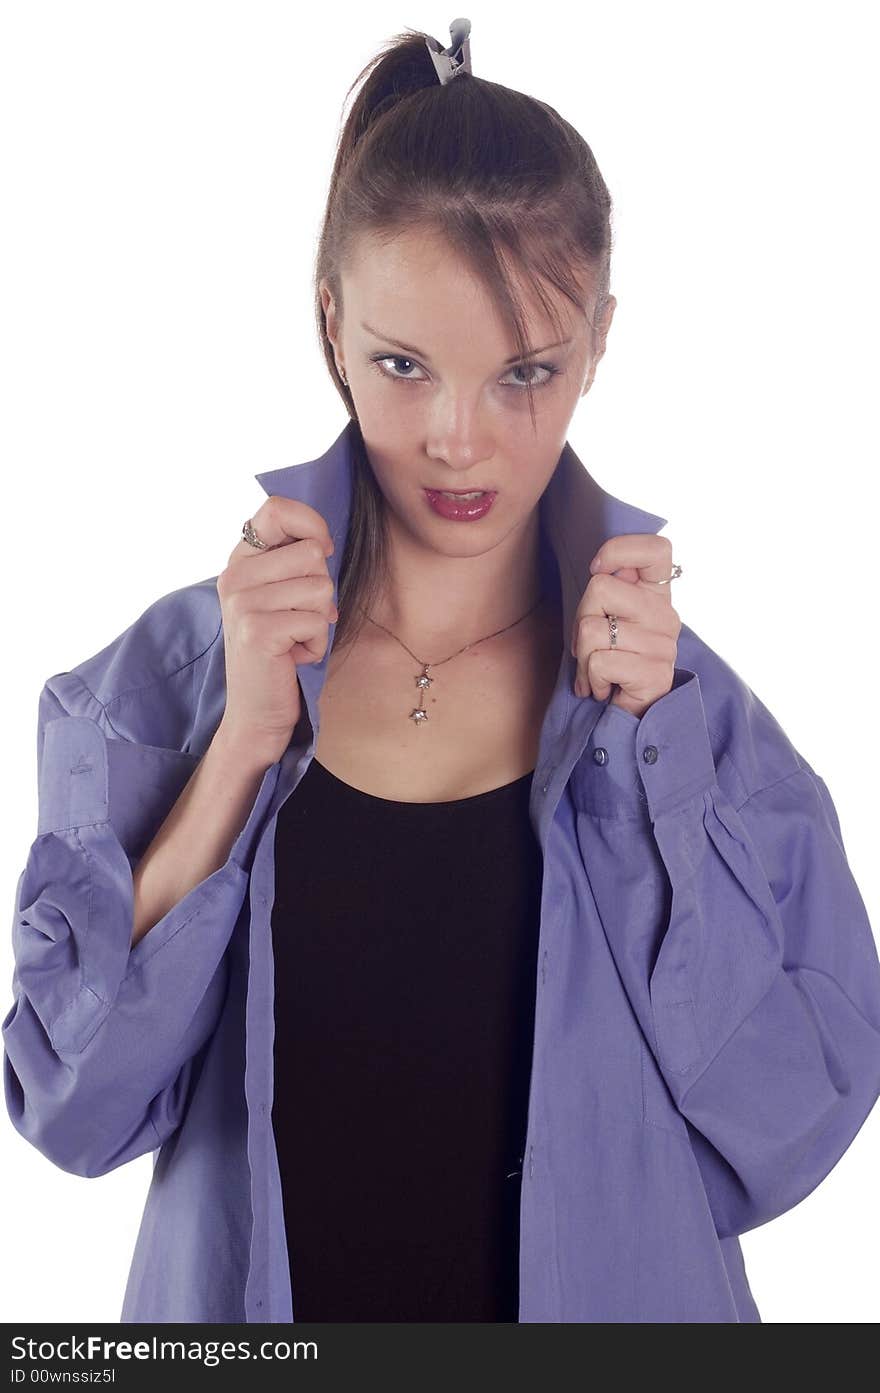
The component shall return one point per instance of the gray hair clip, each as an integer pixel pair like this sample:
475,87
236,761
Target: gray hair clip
449,62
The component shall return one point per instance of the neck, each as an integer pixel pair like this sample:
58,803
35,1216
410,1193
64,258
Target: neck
431,602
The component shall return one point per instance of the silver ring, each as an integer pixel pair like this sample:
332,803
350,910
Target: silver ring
249,535
612,629
676,572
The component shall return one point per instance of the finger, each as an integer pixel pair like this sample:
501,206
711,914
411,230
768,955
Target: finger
640,604
640,677
283,630
307,591
253,569
594,637
282,520
645,552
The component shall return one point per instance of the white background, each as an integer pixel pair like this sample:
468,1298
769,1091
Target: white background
164,169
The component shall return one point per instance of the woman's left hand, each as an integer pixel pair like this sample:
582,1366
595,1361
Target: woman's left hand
643,661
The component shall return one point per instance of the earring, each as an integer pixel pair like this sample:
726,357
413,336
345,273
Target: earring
343,376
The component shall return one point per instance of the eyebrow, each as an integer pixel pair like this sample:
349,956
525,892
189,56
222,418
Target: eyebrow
410,348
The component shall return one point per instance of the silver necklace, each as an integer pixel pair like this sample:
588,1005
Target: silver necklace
423,681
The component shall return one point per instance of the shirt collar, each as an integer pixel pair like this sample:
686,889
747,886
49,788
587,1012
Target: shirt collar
576,514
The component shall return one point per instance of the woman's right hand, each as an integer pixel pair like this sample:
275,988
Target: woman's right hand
277,608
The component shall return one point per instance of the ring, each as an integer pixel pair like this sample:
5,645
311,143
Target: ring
676,572
249,535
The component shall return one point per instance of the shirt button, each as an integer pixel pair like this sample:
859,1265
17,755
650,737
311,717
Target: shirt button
650,754
600,755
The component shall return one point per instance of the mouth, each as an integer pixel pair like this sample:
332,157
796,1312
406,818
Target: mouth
459,493
462,505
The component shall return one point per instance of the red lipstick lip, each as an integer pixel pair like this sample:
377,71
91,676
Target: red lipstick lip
458,509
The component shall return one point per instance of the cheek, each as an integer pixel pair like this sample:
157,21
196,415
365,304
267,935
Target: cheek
392,426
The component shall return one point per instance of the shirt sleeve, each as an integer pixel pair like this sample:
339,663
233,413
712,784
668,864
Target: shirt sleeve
100,1041
744,946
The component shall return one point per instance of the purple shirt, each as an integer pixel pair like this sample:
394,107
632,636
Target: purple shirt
707,1013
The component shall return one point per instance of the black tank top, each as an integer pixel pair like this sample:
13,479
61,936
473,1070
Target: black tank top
405,946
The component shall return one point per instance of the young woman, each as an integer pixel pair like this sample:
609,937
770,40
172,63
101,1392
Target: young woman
467,938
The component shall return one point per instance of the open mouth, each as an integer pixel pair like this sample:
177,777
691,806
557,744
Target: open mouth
462,505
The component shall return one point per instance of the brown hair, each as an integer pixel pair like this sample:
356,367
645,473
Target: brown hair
499,174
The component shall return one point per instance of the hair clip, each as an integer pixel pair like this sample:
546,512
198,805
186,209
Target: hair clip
449,62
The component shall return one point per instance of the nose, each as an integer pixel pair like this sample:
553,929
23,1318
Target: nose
458,435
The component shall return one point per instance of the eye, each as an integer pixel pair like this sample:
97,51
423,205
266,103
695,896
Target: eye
521,385
393,358
548,368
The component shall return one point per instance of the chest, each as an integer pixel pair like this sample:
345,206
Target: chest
485,710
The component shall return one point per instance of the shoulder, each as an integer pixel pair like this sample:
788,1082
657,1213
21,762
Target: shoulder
750,747
146,683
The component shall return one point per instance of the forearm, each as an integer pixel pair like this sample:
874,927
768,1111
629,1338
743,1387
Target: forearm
196,837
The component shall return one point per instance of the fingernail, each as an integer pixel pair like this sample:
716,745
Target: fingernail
596,563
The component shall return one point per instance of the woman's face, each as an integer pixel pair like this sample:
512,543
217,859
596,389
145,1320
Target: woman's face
448,411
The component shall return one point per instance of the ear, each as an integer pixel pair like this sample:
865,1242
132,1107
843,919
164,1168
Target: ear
330,311
603,324
600,335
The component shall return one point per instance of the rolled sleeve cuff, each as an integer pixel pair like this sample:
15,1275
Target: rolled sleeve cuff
86,779
637,767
